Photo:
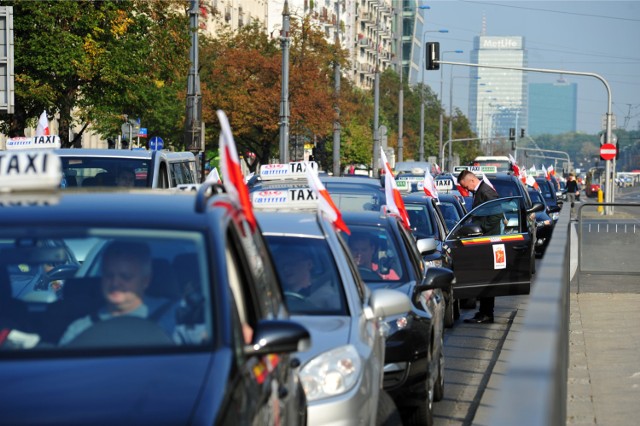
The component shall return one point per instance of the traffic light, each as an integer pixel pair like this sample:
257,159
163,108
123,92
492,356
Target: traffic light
124,144
111,143
433,56
512,134
521,132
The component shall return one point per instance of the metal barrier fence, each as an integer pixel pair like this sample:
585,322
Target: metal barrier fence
534,389
608,246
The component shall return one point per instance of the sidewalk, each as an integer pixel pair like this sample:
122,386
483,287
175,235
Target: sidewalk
603,385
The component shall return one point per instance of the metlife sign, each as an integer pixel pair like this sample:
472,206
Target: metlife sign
7,102
501,43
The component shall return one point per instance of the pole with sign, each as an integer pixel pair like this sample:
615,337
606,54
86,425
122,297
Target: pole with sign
156,143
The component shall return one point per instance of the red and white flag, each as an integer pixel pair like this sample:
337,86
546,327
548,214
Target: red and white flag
231,171
521,174
551,171
43,125
325,202
531,181
461,190
546,172
429,186
438,171
213,176
394,199
533,170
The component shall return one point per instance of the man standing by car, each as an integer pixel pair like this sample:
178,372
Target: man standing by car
490,226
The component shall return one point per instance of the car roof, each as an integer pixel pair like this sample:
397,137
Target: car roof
348,180
120,153
367,218
290,223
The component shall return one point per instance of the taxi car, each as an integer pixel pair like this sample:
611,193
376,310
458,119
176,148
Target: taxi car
547,188
544,222
152,169
414,356
210,343
342,371
355,193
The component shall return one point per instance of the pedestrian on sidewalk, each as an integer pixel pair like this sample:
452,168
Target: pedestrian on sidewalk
573,191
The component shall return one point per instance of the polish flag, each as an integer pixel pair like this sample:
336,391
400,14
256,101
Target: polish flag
43,125
429,186
326,204
551,171
438,171
231,171
394,199
533,170
531,181
214,176
521,174
461,190
546,173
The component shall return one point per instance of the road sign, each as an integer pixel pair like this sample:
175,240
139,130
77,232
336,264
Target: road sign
142,133
156,143
608,151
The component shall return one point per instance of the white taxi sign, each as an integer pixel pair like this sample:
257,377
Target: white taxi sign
293,170
476,169
443,185
29,170
36,142
298,198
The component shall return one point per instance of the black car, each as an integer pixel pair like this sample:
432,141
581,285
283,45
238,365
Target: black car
544,222
494,265
548,190
427,221
355,193
452,207
414,357
209,340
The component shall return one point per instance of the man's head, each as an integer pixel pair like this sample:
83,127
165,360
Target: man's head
125,177
295,265
468,180
362,247
126,273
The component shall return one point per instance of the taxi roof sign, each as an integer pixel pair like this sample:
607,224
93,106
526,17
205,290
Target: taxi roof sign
293,170
403,185
476,169
443,185
295,198
36,142
29,170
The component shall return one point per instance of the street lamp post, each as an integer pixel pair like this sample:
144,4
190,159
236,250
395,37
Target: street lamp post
440,128
424,65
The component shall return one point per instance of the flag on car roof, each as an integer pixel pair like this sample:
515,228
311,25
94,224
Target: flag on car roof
486,180
461,190
394,199
43,125
429,185
551,171
326,204
214,176
231,171
521,174
546,173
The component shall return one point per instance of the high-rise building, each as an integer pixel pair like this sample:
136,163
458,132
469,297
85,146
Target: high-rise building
498,97
552,107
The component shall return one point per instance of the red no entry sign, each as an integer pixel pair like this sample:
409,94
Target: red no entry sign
608,151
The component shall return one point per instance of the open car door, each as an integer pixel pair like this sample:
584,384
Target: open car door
492,250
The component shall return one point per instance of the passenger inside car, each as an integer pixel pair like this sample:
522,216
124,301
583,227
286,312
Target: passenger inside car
364,249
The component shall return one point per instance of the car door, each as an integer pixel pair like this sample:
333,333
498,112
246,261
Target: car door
492,265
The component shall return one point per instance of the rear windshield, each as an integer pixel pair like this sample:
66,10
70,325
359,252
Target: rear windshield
105,171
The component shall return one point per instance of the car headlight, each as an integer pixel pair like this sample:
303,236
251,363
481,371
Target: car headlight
331,373
434,262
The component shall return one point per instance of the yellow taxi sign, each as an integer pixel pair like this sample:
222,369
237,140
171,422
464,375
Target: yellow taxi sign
293,170
36,142
29,170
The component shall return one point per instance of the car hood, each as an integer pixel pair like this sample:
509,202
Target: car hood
327,332
150,389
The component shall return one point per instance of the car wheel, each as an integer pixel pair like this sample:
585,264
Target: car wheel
420,413
388,414
438,387
449,314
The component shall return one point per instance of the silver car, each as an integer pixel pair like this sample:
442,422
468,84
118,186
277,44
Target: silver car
342,373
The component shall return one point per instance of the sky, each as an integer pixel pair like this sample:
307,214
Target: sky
601,37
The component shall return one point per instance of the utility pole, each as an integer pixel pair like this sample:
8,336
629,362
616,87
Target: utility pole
336,77
399,19
284,98
376,101
193,140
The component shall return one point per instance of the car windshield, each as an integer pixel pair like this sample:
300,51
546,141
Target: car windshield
104,171
136,288
505,188
376,253
420,220
309,275
536,197
450,213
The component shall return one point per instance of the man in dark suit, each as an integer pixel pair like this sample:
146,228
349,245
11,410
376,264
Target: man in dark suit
490,226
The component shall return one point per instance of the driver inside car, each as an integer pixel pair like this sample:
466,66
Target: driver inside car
126,274
363,247
295,266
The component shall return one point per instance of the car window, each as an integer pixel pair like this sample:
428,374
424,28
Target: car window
450,213
102,171
356,201
308,275
496,217
376,253
421,224
55,303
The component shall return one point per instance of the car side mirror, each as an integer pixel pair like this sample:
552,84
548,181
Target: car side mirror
435,277
427,245
469,230
554,209
537,207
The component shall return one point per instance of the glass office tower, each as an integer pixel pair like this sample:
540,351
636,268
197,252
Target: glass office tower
497,97
552,107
